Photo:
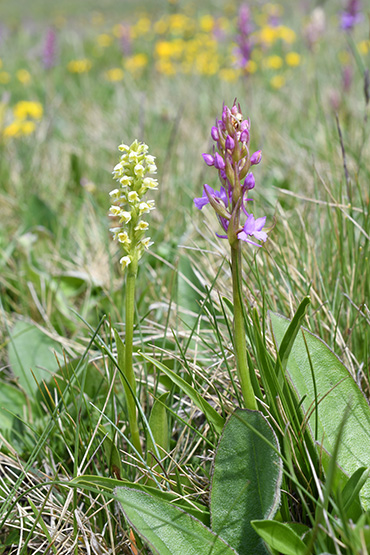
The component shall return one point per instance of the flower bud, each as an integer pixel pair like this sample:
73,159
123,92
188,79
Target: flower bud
249,182
208,158
256,157
219,162
229,143
214,133
244,136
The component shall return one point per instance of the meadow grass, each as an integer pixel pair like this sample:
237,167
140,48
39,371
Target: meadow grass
60,272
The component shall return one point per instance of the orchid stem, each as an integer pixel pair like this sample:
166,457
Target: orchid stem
128,370
240,343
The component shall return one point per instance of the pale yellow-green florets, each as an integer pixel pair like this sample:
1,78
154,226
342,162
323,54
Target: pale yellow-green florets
132,174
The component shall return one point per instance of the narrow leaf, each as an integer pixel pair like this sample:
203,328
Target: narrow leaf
158,423
291,333
211,414
109,485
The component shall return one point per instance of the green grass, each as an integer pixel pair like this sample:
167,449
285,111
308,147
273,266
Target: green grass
59,269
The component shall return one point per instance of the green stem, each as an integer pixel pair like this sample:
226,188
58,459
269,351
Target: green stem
240,343
129,371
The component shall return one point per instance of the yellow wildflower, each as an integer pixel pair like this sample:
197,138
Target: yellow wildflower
363,47
206,23
1,63
142,27
251,66
286,34
27,109
161,26
79,66
180,22
4,77
114,74
268,34
293,59
277,81
104,40
273,62
170,49
136,62
19,128
23,76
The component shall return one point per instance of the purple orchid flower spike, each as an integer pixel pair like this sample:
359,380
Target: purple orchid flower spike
49,49
232,160
352,15
243,39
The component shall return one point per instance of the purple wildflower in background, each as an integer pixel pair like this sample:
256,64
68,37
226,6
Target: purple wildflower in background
49,50
243,38
125,40
352,15
232,160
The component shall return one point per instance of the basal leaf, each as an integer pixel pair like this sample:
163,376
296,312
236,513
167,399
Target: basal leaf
30,349
335,390
12,403
167,529
109,484
246,480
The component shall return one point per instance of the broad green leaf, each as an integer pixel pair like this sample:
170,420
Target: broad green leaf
336,389
167,529
246,480
30,349
210,413
158,424
279,536
109,484
12,403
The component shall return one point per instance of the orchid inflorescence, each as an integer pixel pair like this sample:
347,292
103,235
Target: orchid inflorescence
232,160
132,174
